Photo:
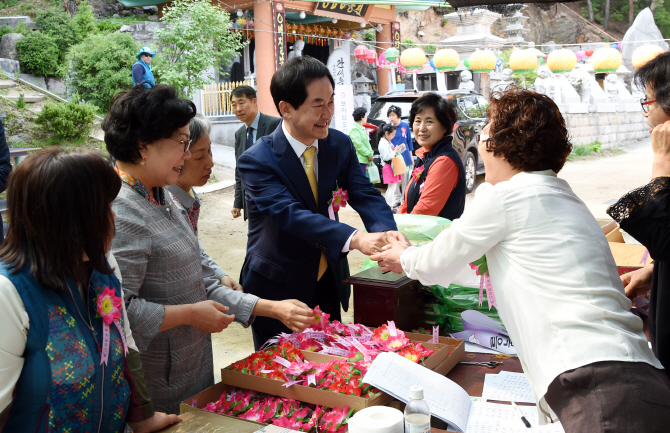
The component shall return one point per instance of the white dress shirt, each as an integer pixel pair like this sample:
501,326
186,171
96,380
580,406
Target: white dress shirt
299,148
556,285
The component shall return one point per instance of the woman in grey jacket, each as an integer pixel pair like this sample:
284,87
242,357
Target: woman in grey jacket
171,307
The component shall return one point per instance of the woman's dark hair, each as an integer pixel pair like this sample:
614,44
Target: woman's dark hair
59,209
387,127
656,75
359,113
394,109
444,111
527,129
143,115
289,84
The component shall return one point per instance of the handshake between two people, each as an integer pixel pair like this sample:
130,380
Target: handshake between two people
384,248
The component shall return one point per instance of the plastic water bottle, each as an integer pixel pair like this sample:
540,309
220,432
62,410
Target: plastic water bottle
417,413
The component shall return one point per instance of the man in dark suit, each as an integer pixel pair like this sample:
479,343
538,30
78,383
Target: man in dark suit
294,249
256,125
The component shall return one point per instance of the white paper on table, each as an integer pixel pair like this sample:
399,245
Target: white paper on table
395,374
476,348
508,386
502,418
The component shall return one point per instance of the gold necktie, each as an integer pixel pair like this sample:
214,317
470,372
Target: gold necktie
309,171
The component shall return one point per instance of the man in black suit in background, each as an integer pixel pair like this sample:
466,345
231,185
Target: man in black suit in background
256,125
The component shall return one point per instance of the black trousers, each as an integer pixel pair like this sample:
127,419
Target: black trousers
327,297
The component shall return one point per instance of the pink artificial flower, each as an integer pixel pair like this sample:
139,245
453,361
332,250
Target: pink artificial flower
110,306
298,369
340,198
416,173
320,319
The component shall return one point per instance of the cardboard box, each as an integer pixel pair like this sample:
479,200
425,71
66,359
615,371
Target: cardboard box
207,422
628,257
303,393
200,400
443,360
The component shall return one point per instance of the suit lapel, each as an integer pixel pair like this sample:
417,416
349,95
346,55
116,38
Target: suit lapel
291,166
327,171
261,127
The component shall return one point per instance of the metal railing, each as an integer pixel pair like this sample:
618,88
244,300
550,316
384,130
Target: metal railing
216,99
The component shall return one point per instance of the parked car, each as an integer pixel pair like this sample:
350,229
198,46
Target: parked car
471,110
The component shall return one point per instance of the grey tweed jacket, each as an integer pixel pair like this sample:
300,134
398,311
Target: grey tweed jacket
159,258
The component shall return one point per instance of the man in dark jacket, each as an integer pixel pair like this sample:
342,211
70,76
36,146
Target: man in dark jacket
5,167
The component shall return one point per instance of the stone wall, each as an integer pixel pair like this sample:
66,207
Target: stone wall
223,130
613,130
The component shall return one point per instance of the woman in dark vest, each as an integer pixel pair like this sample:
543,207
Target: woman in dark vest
60,300
437,184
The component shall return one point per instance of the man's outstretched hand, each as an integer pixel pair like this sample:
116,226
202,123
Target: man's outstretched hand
373,243
389,259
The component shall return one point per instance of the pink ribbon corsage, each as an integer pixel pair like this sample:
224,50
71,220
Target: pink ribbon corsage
416,173
482,269
340,198
110,309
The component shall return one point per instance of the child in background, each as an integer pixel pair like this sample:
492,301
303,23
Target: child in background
387,151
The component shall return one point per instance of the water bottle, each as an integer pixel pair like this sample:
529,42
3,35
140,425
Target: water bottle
417,413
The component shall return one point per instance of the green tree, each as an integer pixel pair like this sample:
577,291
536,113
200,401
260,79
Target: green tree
99,66
38,54
194,39
70,121
55,22
84,22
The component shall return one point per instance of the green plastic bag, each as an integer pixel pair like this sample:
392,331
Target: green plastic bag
453,300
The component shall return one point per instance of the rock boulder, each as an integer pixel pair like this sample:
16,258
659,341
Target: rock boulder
8,46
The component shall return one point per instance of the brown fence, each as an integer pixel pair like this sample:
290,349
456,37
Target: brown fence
216,98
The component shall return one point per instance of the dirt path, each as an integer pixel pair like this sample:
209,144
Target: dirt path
596,182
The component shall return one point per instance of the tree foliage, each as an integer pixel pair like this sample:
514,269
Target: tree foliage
100,65
55,22
620,12
38,54
84,22
72,120
194,39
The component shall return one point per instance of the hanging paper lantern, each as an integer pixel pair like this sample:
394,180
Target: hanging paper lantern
446,59
522,61
606,60
482,61
588,53
580,54
371,56
541,61
643,54
241,21
360,52
560,61
466,62
413,58
392,54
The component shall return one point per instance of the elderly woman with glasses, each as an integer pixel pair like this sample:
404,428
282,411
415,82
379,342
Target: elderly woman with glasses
644,213
556,285
173,301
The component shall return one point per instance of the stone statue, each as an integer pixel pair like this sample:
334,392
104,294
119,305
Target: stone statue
506,80
296,49
466,81
611,87
581,81
545,82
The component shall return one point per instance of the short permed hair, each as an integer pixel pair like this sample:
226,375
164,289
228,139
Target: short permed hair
444,111
245,91
198,127
656,75
394,109
527,129
143,115
359,113
289,84
60,209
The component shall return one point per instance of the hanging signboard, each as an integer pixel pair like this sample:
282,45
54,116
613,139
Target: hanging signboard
279,24
395,34
339,65
344,9
344,106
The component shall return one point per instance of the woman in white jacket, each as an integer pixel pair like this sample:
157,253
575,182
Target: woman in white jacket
387,151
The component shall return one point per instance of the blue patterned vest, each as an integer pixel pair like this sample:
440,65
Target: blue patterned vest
147,76
63,387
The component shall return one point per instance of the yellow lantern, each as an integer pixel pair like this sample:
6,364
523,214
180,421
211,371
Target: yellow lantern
241,21
562,60
413,58
483,61
446,59
606,60
643,54
522,61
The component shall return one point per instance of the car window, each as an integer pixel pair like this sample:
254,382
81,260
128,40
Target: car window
470,106
379,110
457,109
483,104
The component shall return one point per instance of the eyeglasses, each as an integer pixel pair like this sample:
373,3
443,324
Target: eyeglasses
644,103
185,143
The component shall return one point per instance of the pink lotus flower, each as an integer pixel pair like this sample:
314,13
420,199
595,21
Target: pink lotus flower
416,173
340,198
320,319
110,306
388,342
298,369
334,419
338,327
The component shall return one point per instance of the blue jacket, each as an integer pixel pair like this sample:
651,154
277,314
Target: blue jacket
147,77
63,386
288,229
403,134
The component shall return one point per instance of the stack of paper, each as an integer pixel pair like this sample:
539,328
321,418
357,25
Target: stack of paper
502,418
508,386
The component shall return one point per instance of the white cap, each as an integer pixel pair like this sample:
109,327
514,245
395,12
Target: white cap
416,392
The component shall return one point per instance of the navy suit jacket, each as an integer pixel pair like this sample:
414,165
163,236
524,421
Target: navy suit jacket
288,230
